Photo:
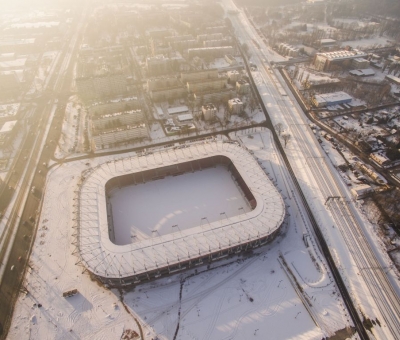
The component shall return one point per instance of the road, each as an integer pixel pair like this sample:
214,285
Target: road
382,290
37,152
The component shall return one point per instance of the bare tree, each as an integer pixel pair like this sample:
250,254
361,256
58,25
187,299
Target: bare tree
279,128
286,138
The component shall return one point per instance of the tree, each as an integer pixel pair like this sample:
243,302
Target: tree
286,138
279,128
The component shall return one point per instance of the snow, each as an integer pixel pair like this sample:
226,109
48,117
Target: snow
154,207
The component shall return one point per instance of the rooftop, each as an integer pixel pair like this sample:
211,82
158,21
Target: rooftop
342,54
8,126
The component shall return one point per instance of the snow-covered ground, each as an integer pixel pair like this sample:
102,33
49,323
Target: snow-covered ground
235,299
140,211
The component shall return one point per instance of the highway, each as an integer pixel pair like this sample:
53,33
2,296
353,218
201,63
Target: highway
381,290
37,151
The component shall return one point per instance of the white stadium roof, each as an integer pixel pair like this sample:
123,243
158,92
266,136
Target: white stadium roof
108,260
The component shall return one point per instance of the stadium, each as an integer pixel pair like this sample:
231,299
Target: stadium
120,247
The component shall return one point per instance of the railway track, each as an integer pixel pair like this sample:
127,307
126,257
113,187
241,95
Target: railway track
322,242
370,268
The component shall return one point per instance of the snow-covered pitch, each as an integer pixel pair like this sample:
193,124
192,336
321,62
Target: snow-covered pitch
150,258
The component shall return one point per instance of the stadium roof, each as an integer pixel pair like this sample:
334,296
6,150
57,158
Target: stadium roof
108,260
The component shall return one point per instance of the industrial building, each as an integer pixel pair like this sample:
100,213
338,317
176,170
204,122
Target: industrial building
327,60
334,98
360,63
361,191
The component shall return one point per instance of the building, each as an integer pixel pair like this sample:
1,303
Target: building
168,93
114,105
327,42
162,82
233,76
230,59
102,86
9,110
367,72
215,43
185,118
361,191
393,79
115,136
157,65
199,75
210,52
8,132
178,110
214,84
211,36
326,61
209,111
242,87
235,106
288,50
360,63
334,98
380,159
111,120
213,96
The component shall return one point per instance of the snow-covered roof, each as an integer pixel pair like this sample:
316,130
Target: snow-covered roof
178,109
108,260
8,126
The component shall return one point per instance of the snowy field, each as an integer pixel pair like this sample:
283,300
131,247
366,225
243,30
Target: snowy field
155,208
239,298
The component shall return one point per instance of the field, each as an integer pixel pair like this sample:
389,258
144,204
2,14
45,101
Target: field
174,203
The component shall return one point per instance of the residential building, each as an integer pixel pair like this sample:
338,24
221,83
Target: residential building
206,85
111,120
209,111
242,87
233,76
213,96
210,52
199,75
168,93
114,105
115,136
158,65
235,106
